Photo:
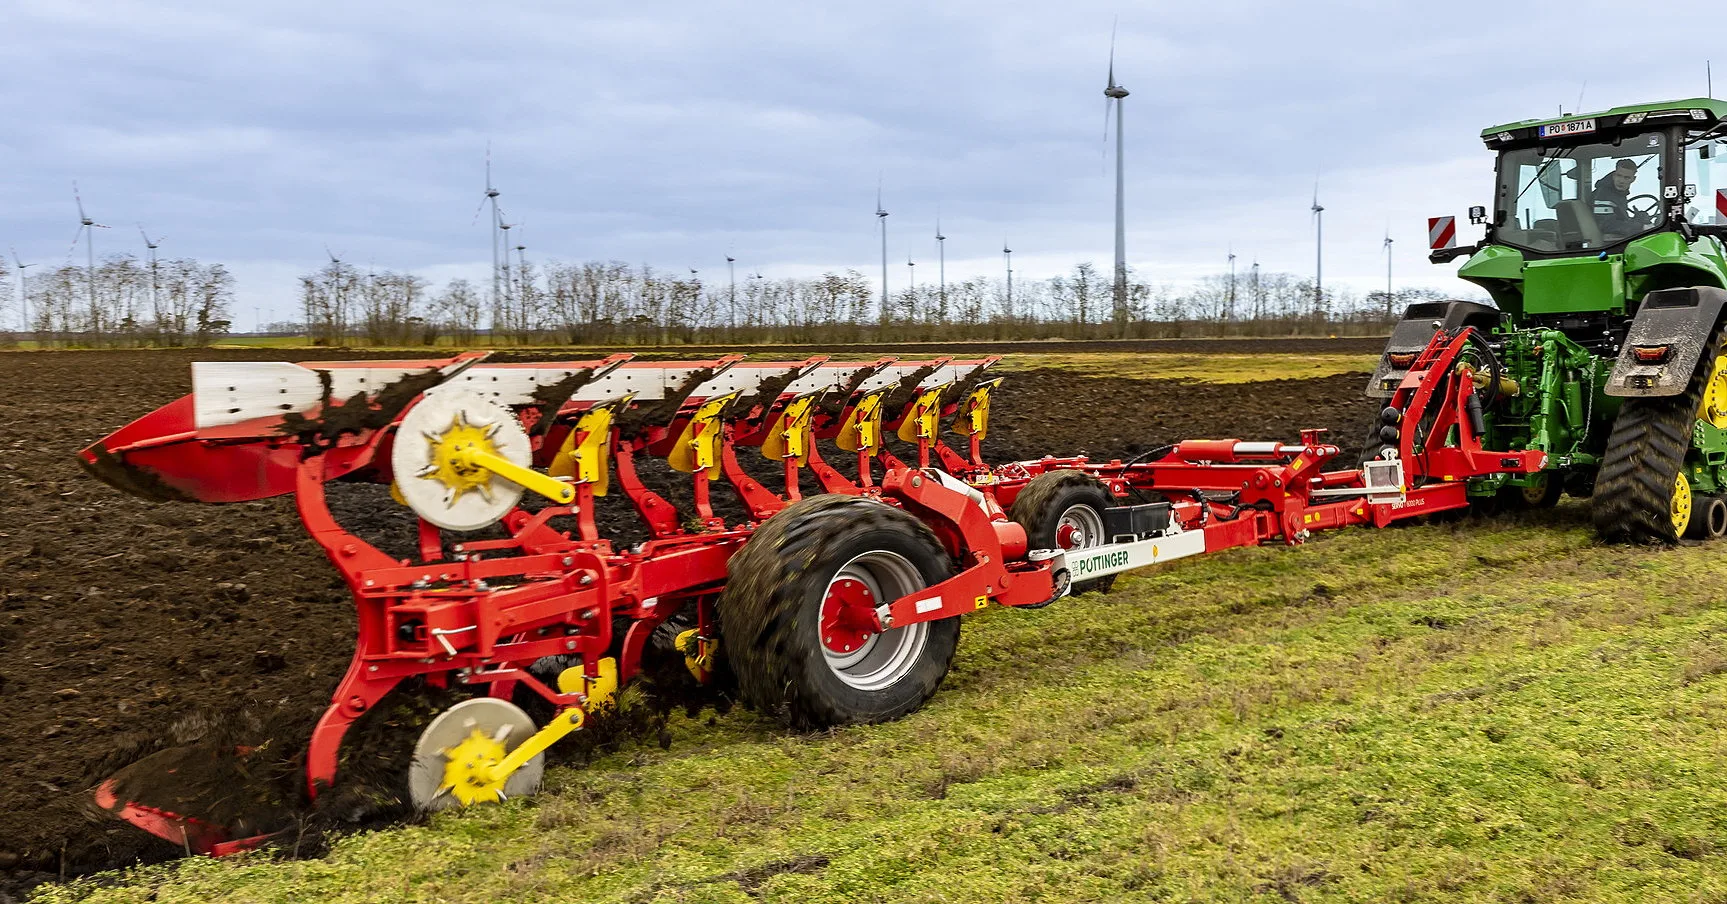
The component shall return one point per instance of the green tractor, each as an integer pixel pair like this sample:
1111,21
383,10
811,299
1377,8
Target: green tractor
1603,255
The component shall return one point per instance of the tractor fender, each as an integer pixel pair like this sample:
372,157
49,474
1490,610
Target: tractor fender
1411,334
1683,320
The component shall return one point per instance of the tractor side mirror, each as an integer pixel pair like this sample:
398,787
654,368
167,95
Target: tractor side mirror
1478,214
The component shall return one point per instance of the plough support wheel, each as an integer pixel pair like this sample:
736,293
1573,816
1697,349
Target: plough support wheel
1064,510
798,613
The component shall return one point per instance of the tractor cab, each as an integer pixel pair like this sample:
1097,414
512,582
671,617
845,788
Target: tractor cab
1592,212
1584,184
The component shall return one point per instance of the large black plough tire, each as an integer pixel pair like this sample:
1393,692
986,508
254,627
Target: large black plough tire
1071,499
1637,498
771,613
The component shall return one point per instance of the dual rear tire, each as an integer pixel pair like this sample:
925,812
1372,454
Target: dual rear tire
796,617
794,622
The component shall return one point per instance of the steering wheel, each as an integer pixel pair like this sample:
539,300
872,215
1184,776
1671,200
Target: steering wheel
1648,213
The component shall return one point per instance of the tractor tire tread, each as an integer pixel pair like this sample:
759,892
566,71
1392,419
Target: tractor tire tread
1646,450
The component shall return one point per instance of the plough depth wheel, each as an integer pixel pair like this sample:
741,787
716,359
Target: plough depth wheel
455,759
797,614
1064,510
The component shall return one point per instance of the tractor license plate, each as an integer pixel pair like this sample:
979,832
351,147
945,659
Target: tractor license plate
1573,127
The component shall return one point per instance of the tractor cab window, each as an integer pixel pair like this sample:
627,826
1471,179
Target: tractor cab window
1705,180
1580,197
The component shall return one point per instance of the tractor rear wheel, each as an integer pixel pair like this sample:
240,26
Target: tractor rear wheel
1064,510
796,616
1643,491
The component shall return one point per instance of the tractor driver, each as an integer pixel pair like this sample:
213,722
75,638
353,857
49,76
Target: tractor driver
1611,193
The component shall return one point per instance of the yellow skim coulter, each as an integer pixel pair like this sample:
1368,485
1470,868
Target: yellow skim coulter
464,459
791,437
861,430
477,768
589,460
698,448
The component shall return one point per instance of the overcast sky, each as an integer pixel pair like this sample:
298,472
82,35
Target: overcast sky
671,133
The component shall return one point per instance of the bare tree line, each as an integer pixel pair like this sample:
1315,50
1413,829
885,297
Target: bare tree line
124,302
615,303
184,302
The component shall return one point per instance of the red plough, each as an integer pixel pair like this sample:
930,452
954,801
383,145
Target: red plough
830,609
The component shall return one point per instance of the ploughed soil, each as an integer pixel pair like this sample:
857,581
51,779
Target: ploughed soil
128,626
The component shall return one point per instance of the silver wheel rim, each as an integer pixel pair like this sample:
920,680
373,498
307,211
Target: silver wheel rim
886,658
1083,523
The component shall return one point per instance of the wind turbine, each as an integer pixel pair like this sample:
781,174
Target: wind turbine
86,227
911,273
522,272
1229,309
1258,297
732,293
941,257
881,217
509,291
491,197
152,245
1388,270
1114,94
1007,255
332,318
23,296
1318,251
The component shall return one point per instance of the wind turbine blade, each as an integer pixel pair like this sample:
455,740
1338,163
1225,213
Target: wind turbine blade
1112,24
75,237
80,201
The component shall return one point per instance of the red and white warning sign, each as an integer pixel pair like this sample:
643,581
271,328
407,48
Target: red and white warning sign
1721,206
1441,232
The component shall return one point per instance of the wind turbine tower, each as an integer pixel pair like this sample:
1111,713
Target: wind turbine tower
1229,309
86,231
941,258
881,217
522,271
505,229
1114,95
1318,252
152,245
1388,296
491,197
23,296
732,294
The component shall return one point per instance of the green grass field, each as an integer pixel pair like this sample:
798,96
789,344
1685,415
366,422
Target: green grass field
1202,368
1501,710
